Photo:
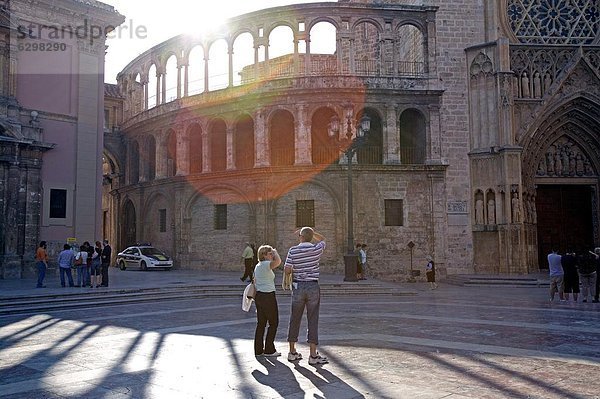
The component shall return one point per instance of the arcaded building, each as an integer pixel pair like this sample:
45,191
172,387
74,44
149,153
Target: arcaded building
480,148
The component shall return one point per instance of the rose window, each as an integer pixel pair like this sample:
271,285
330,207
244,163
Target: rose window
554,21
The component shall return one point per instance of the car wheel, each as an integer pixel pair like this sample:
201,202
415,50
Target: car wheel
143,266
122,265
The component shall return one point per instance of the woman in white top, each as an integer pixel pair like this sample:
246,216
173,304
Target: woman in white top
266,302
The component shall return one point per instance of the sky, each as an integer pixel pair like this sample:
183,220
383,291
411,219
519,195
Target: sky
150,22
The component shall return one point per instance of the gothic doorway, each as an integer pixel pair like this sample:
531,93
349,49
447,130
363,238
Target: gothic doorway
564,219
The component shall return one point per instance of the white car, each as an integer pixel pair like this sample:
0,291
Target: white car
143,257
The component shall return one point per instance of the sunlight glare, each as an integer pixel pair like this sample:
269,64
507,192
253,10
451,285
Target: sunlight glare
201,18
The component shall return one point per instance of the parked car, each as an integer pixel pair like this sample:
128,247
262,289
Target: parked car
143,257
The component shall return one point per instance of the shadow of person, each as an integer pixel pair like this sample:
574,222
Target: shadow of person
328,383
279,377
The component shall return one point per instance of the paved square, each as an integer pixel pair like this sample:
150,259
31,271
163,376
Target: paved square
454,342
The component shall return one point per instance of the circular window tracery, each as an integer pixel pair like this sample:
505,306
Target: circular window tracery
554,21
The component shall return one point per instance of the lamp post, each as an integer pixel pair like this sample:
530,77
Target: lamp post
350,145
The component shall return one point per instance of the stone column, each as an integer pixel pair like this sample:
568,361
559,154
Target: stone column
186,80
206,159
261,142
229,150
206,73
178,81
161,156
183,152
142,160
303,139
392,138
430,45
434,138
230,73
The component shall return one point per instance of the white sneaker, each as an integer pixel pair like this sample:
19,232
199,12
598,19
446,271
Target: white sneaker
292,357
317,360
274,354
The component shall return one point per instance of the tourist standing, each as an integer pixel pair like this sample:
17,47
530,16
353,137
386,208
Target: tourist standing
266,301
81,263
557,283
430,273
66,259
95,273
247,256
359,266
303,263
106,256
41,260
571,277
586,266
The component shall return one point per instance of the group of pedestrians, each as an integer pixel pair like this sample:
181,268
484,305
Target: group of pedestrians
301,271
570,271
90,263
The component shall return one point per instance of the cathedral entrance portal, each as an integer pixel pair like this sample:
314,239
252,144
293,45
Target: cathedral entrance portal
564,219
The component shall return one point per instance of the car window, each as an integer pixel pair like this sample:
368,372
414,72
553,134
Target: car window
151,251
128,251
136,251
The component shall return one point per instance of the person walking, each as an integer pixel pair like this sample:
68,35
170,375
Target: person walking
302,263
95,273
106,256
41,260
557,283
363,260
359,266
247,256
571,277
430,273
66,258
266,301
586,267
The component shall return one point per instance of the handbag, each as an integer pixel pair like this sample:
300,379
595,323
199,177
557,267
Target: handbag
248,297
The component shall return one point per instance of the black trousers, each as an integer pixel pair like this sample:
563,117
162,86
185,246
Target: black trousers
247,268
597,280
266,311
104,272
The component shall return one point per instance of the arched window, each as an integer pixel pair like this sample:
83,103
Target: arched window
413,137
196,71
324,150
218,146
171,78
195,148
152,90
243,59
282,139
218,65
372,150
410,51
134,163
244,143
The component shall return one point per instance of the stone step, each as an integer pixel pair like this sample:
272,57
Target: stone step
508,281
41,303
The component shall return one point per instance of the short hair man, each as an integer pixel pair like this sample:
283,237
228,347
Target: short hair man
557,282
303,260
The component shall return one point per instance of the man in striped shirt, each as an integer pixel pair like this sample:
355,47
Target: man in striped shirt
303,260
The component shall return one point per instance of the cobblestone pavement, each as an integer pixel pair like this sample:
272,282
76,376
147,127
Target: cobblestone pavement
453,342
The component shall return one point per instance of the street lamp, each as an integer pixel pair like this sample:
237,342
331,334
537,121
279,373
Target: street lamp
350,145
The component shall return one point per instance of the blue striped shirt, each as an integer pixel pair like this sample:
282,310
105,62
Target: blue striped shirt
304,260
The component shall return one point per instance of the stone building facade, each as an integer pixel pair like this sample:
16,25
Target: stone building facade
481,116
51,103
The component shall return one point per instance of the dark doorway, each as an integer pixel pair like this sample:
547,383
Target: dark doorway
129,226
564,219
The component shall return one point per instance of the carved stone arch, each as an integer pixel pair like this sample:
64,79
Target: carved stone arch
165,56
313,21
214,39
188,49
117,163
128,222
367,20
7,130
281,22
417,23
337,198
146,205
238,32
578,118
